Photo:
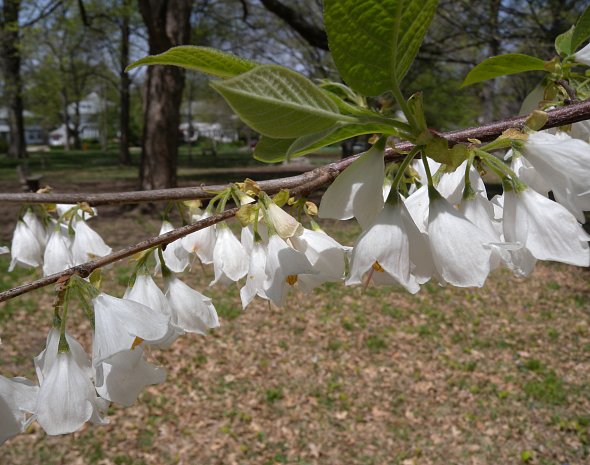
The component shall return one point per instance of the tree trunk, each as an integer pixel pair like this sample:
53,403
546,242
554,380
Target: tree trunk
10,59
66,116
168,25
494,48
124,97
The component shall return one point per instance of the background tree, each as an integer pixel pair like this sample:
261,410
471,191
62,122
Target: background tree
168,25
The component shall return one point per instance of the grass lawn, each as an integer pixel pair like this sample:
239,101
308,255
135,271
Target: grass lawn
497,375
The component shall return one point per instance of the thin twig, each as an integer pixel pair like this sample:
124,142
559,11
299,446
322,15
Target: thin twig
85,269
300,185
558,117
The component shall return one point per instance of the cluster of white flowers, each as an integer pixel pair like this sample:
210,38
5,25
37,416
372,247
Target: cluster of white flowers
74,388
451,232
415,227
56,243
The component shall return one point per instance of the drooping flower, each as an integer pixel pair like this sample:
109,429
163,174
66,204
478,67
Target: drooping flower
583,55
284,224
67,398
201,242
175,255
256,275
326,255
230,261
125,375
544,228
58,254
528,174
357,191
191,311
25,250
18,396
564,164
146,292
37,227
418,204
45,360
118,322
383,250
451,185
87,244
283,266
460,250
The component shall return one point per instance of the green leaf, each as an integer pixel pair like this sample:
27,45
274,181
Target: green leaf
563,42
269,150
279,103
374,42
502,65
437,148
581,30
275,150
204,59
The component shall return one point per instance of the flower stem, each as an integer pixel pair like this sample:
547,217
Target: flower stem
405,163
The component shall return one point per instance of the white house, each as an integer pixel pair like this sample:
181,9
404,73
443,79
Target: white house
34,134
214,131
90,109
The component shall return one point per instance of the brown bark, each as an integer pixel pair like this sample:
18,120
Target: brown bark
11,59
124,85
313,35
489,87
168,25
559,117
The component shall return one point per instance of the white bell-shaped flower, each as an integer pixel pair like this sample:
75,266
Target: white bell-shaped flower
67,398
118,322
145,291
58,254
544,228
191,311
284,224
460,250
35,225
564,163
88,244
418,166
418,205
125,375
247,239
383,250
581,130
326,255
451,185
256,276
528,174
25,250
583,55
45,360
357,191
201,242
18,396
230,261
175,255
283,266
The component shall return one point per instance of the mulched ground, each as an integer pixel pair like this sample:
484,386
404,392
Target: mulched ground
497,375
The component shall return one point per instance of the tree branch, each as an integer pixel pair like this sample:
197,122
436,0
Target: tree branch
300,185
85,269
559,117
